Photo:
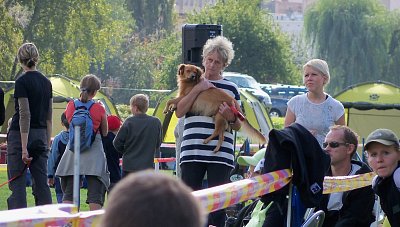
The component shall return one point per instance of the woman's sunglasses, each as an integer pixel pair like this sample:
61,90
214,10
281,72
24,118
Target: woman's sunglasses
332,144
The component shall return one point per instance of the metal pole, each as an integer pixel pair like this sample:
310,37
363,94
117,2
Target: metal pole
76,165
289,210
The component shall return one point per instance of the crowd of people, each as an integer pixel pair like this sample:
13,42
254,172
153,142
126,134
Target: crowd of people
145,198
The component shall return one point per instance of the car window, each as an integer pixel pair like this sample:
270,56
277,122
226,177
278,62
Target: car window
244,82
285,92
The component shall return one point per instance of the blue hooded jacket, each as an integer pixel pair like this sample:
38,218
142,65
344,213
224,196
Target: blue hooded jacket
55,153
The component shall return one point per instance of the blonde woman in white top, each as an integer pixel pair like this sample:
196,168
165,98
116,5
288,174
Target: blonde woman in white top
315,110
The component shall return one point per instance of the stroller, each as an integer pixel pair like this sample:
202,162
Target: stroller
293,148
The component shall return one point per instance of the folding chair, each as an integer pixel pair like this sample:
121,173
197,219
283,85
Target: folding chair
315,220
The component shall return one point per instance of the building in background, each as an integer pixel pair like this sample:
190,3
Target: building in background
187,6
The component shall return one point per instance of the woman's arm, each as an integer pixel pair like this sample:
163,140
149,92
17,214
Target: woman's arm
341,121
104,124
289,118
186,102
24,125
2,108
228,114
49,122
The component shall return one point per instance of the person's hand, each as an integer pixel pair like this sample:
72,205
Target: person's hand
50,182
25,157
203,85
226,111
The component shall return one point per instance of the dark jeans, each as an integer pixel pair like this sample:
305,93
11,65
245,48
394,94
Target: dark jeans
38,169
57,188
217,174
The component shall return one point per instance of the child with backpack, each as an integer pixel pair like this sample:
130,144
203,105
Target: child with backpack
92,119
383,149
58,146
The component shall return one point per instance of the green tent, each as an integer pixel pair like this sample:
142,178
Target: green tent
371,105
64,89
255,113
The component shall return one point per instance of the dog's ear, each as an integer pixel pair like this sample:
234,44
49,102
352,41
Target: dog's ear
181,69
199,72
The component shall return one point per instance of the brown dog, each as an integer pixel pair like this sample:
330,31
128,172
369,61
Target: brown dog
207,104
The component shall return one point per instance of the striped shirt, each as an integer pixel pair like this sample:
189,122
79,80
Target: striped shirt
198,128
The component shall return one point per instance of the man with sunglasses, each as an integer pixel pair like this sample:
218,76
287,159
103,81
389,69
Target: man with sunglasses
350,208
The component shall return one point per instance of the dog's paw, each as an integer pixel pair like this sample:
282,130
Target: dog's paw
172,107
165,111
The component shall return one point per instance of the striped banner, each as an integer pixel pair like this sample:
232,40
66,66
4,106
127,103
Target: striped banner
347,183
226,195
212,199
50,215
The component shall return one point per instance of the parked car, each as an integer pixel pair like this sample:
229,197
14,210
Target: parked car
283,90
279,107
280,95
248,83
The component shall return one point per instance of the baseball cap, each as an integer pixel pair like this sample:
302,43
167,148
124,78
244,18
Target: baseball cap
384,136
251,160
113,122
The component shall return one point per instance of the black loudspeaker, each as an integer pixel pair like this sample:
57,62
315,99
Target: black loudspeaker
194,36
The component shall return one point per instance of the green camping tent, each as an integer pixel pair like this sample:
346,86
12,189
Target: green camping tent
371,105
64,89
255,113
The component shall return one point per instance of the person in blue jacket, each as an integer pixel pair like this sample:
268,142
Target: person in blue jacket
57,150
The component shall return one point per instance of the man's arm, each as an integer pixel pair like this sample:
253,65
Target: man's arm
357,207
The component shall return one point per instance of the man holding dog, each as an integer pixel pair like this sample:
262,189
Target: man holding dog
350,208
196,157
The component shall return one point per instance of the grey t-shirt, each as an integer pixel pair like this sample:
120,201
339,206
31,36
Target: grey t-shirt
317,118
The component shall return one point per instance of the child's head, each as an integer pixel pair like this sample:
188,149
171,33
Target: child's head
382,147
139,103
148,198
114,123
64,121
90,84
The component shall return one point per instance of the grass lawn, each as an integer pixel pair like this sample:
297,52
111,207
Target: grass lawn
5,193
278,122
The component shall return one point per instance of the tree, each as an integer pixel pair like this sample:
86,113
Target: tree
151,16
353,36
10,38
73,37
261,50
146,64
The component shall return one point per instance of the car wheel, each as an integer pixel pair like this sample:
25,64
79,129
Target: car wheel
275,113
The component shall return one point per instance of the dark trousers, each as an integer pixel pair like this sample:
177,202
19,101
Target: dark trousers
217,174
57,188
38,169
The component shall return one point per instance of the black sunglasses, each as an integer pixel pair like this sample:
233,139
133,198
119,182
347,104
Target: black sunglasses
332,144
